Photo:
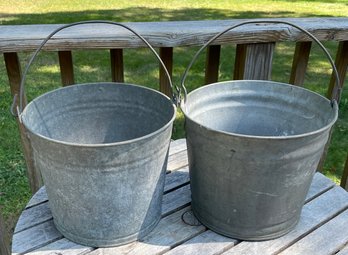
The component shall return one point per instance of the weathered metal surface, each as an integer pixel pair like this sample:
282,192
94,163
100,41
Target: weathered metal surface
253,149
102,151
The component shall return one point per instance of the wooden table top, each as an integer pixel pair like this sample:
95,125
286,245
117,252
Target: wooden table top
323,227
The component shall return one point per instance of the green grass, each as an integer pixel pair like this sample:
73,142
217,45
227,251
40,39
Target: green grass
94,65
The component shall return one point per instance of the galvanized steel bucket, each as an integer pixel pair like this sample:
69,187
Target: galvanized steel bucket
253,148
102,152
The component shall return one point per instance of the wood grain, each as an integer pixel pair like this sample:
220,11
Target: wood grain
61,247
212,61
258,61
176,179
324,240
207,243
313,214
341,63
117,67
34,238
343,251
15,38
239,62
170,232
33,216
299,63
180,160
319,185
344,180
4,240
176,199
66,67
14,74
166,54
177,146
325,211
253,61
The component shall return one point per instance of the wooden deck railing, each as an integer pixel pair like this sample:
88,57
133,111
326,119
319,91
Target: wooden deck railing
255,46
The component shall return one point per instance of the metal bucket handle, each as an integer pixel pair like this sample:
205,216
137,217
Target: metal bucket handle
337,89
20,108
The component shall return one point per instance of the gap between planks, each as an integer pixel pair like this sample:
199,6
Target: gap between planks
315,189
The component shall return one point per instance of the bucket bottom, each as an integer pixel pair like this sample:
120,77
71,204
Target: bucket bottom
261,234
109,242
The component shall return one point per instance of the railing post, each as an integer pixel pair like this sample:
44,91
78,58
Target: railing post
254,61
344,183
14,74
4,242
117,72
166,54
212,62
66,67
341,63
299,63
239,63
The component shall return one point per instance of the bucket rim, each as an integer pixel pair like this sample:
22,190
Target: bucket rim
317,131
98,145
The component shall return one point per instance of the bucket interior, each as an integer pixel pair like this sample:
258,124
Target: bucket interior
98,113
259,108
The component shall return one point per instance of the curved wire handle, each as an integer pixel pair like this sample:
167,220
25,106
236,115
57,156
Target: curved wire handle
337,86
20,108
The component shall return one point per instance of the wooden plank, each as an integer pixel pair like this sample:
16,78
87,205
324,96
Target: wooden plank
66,67
176,199
4,240
35,237
180,160
258,63
343,251
15,38
207,243
170,232
327,239
176,179
14,74
39,197
33,216
341,63
61,247
117,67
239,63
172,202
177,146
253,61
319,185
166,54
212,62
300,62
314,213
344,182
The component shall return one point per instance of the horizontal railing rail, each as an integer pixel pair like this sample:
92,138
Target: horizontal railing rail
255,45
